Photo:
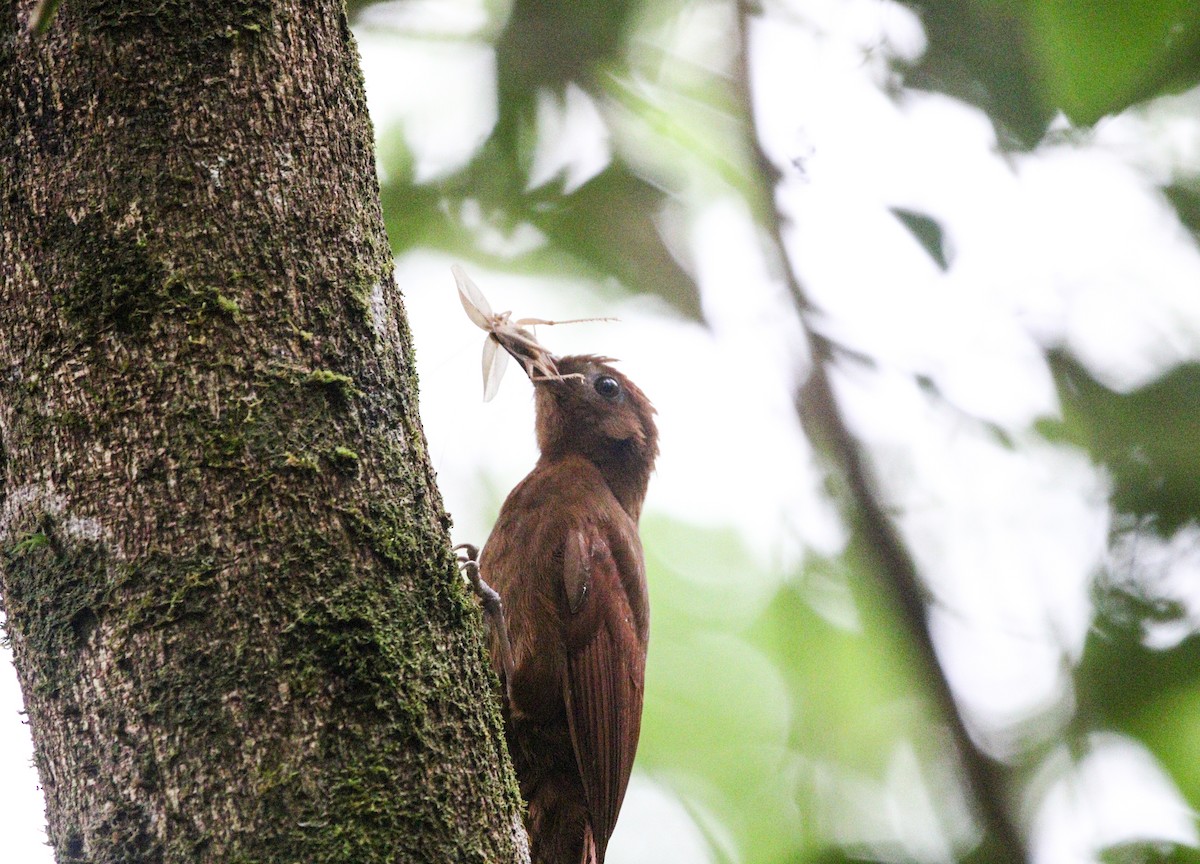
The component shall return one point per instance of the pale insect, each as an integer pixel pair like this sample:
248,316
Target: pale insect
502,329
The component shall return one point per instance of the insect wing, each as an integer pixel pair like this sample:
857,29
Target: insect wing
476,305
495,361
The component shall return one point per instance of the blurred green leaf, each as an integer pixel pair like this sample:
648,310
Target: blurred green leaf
927,231
1118,676
414,218
354,7
1143,852
689,134
548,43
979,52
610,224
1169,724
1099,58
854,690
605,230
1021,60
717,709
1185,198
1152,695
1147,439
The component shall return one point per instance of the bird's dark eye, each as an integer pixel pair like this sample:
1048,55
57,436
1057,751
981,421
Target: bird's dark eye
607,387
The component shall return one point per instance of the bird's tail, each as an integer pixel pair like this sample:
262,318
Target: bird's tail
589,853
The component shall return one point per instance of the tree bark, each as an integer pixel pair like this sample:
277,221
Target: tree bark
225,565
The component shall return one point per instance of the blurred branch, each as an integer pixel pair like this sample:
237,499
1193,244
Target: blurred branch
823,422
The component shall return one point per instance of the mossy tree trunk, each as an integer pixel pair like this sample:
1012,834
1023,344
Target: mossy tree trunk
230,595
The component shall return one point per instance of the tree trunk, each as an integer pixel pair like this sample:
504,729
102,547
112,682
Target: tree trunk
235,616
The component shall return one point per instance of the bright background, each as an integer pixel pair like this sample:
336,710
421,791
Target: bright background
991,208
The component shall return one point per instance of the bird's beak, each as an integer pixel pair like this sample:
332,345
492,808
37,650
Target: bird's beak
538,363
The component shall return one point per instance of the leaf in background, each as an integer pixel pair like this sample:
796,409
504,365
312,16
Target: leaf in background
1146,852
927,231
1185,198
860,708
1169,724
606,230
1122,683
353,7
1147,439
548,43
717,712
1099,58
1021,60
847,683
415,217
1153,695
610,224
978,52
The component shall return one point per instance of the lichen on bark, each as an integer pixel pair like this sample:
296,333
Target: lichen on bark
224,561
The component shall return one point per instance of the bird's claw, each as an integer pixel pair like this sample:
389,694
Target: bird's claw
493,606
468,564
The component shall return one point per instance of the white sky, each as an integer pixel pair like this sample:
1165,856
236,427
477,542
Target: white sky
1066,246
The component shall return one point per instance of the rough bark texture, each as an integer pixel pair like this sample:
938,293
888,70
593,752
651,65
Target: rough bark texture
237,623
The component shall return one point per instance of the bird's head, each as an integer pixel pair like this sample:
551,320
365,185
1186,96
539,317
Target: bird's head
588,408
592,409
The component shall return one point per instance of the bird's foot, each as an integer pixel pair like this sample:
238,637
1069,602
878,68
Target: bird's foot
493,606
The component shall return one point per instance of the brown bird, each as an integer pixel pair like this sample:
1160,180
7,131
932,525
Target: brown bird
566,560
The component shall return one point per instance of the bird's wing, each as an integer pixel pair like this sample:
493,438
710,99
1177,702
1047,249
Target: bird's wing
604,675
